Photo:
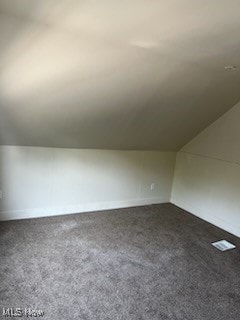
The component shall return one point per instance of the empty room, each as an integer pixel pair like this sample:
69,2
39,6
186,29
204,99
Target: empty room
120,159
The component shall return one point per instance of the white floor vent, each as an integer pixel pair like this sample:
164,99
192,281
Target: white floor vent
223,245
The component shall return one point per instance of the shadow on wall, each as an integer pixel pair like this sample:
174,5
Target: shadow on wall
47,181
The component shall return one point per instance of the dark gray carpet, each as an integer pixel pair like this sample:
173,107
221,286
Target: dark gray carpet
151,262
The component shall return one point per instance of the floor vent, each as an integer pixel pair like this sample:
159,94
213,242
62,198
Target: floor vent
223,245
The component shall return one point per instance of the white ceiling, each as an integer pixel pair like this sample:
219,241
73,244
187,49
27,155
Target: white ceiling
116,74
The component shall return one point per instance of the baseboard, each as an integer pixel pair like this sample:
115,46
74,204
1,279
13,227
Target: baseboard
208,216
79,208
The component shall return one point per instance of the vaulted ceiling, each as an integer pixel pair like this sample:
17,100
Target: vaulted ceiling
116,74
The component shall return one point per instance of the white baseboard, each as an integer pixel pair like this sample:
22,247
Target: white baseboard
208,216
79,208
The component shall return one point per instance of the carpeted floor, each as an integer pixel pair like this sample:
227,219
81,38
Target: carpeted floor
145,263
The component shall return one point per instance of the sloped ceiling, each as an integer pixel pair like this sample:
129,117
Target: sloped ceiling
116,74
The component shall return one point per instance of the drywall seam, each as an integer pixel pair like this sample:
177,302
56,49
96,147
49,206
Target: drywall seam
208,157
140,178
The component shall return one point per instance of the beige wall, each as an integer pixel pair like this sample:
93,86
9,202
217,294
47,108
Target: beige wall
48,181
207,173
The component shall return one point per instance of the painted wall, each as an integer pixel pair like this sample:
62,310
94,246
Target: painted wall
48,181
207,173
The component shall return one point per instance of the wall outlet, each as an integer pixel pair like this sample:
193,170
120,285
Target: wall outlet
1,194
152,187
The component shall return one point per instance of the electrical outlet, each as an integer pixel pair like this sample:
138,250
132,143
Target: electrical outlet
1,194
152,187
